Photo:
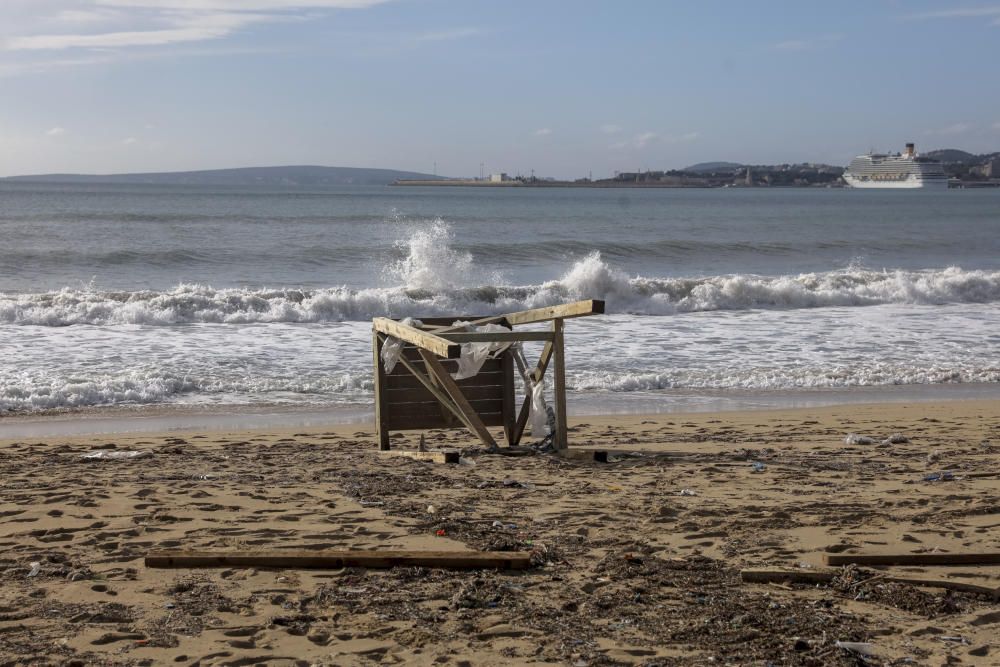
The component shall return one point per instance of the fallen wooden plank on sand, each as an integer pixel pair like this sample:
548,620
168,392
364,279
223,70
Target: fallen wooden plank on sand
433,457
914,559
335,559
766,576
581,454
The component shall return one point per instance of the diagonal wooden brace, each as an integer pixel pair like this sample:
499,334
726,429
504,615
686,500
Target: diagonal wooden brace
472,419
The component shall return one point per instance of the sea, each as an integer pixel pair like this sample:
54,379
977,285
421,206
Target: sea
135,299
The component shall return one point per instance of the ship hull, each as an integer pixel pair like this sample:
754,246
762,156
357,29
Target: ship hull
906,184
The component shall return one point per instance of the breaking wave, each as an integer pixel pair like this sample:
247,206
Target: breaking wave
431,285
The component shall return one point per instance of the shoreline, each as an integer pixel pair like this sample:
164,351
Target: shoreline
189,418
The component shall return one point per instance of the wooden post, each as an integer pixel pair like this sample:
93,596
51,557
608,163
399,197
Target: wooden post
509,419
381,427
559,349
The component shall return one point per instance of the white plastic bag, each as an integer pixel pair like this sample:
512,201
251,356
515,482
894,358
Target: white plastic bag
393,347
474,355
538,413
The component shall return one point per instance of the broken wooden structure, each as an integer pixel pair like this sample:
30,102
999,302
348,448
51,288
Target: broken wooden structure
420,392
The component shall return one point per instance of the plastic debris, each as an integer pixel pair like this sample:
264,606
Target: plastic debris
861,648
474,355
393,347
505,526
440,533
896,439
36,567
431,510
538,413
466,461
943,476
759,467
687,492
855,439
115,454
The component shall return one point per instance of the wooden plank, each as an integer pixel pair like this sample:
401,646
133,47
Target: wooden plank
559,384
419,394
576,454
499,337
433,406
989,558
406,380
536,376
422,339
769,576
562,312
336,559
413,354
440,419
443,399
470,416
381,431
433,457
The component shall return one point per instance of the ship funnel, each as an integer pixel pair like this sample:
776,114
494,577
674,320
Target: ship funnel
909,150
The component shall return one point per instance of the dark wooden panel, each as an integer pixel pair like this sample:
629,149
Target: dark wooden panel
406,380
433,407
413,423
395,396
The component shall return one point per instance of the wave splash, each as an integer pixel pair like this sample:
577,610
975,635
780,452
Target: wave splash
432,278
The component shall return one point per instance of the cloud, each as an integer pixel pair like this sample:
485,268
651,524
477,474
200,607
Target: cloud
543,132
447,35
611,128
129,141
145,23
55,132
956,13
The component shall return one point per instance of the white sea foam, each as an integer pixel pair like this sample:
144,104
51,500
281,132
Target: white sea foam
430,291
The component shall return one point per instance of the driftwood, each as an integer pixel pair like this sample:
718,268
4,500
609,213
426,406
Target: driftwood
766,576
333,559
433,456
914,559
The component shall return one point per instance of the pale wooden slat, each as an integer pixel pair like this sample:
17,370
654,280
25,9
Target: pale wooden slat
960,558
422,339
381,430
434,457
564,311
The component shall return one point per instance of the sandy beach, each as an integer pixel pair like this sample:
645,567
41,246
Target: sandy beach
637,560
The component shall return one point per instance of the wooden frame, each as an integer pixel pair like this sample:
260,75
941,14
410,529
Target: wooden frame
420,392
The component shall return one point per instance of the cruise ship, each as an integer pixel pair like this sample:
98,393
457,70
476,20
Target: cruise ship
900,170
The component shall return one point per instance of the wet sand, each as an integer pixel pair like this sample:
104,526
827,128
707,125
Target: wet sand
637,559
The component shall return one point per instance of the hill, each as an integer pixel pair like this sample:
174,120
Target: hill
246,176
953,155
705,167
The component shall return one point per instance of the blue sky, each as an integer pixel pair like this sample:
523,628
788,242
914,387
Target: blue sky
564,88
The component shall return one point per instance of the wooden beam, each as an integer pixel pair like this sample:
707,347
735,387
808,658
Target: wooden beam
559,385
448,383
564,311
433,457
498,337
422,339
381,431
914,559
768,576
509,418
536,376
577,454
336,559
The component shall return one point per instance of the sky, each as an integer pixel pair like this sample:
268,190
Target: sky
563,88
